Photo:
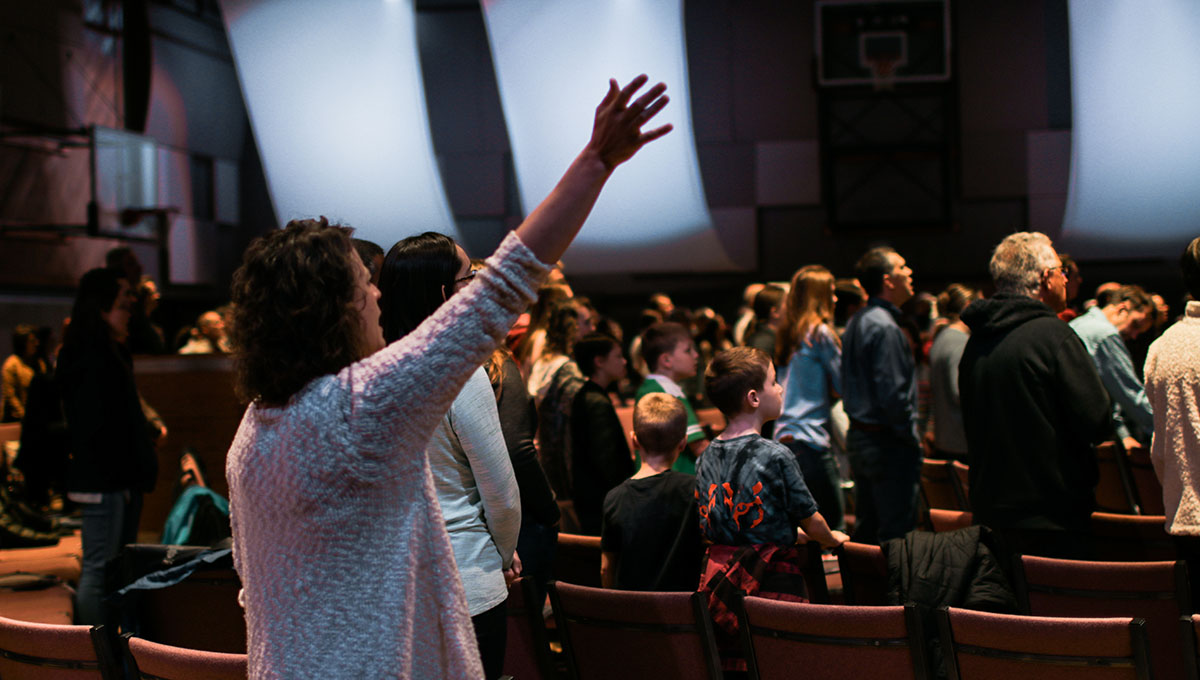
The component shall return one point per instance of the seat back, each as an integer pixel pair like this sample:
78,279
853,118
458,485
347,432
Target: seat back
577,560
963,472
1131,538
1189,630
40,651
939,485
164,662
864,573
830,641
1146,486
201,612
1154,591
626,634
985,645
527,651
812,568
949,520
1114,491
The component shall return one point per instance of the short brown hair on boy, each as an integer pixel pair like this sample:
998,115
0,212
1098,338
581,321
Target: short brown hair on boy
660,339
731,376
659,423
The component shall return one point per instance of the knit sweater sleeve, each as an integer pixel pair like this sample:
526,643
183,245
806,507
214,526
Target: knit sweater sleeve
397,395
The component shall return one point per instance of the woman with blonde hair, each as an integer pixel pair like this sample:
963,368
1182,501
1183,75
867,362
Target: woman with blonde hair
809,357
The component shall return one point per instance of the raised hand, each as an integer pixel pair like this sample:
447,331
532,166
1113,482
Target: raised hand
617,132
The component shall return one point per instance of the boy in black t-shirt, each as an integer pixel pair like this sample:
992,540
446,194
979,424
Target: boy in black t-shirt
650,538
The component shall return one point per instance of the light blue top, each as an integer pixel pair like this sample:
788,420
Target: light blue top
1108,351
812,373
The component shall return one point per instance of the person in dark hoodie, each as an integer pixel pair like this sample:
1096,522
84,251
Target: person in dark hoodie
1033,406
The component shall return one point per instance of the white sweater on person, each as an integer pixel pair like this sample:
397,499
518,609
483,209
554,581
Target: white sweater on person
1173,385
346,566
478,492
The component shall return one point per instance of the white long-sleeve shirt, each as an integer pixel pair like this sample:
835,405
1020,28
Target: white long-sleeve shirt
478,492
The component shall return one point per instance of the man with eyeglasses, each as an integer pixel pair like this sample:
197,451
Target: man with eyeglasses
879,391
1033,406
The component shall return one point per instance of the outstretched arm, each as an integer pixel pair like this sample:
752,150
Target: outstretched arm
616,136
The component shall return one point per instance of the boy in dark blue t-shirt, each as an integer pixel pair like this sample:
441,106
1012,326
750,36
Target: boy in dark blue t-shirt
751,497
751,491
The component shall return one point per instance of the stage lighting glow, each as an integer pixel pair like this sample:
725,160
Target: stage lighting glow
553,61
1135,158
337,104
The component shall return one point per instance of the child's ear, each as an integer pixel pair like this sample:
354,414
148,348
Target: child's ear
636,445
681,445
752,399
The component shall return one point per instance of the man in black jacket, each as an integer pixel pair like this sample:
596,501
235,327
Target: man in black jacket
1032,404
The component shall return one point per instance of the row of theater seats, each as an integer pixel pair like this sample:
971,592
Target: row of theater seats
1128,484
662,636
1081,619
1139,578
37,640
40,651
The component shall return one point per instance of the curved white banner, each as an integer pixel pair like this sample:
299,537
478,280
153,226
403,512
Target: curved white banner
1135,157
337,104
553,60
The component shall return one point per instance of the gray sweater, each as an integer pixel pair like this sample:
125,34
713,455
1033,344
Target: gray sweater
346,567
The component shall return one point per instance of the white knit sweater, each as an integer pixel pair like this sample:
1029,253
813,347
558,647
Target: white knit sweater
1173,386
346,567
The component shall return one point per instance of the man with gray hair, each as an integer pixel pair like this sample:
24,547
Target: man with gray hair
1033,405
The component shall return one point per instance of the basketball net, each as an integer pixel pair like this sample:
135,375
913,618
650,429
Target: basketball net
883,73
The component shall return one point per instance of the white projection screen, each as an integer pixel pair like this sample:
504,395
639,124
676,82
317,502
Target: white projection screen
553,60
335,97
1135,159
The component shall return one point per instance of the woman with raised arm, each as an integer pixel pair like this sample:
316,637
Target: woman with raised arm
346,567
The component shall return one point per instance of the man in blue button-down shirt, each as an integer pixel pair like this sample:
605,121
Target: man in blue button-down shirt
1104,331
879,390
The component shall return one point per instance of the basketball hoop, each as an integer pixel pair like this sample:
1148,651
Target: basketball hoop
883,73
883,53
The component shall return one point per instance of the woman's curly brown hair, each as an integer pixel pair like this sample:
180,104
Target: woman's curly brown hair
295,316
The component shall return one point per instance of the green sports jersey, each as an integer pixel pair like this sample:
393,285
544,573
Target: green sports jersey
686,462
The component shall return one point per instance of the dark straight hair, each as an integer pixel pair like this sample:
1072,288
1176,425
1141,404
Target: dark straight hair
416,278
97,292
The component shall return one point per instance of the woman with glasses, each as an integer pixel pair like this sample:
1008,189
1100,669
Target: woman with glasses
476,489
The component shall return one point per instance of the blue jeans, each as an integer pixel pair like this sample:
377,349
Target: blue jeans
887,482
107,527
824,482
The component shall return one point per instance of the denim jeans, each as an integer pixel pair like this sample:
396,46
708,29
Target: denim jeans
887,482
107,527
824,482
